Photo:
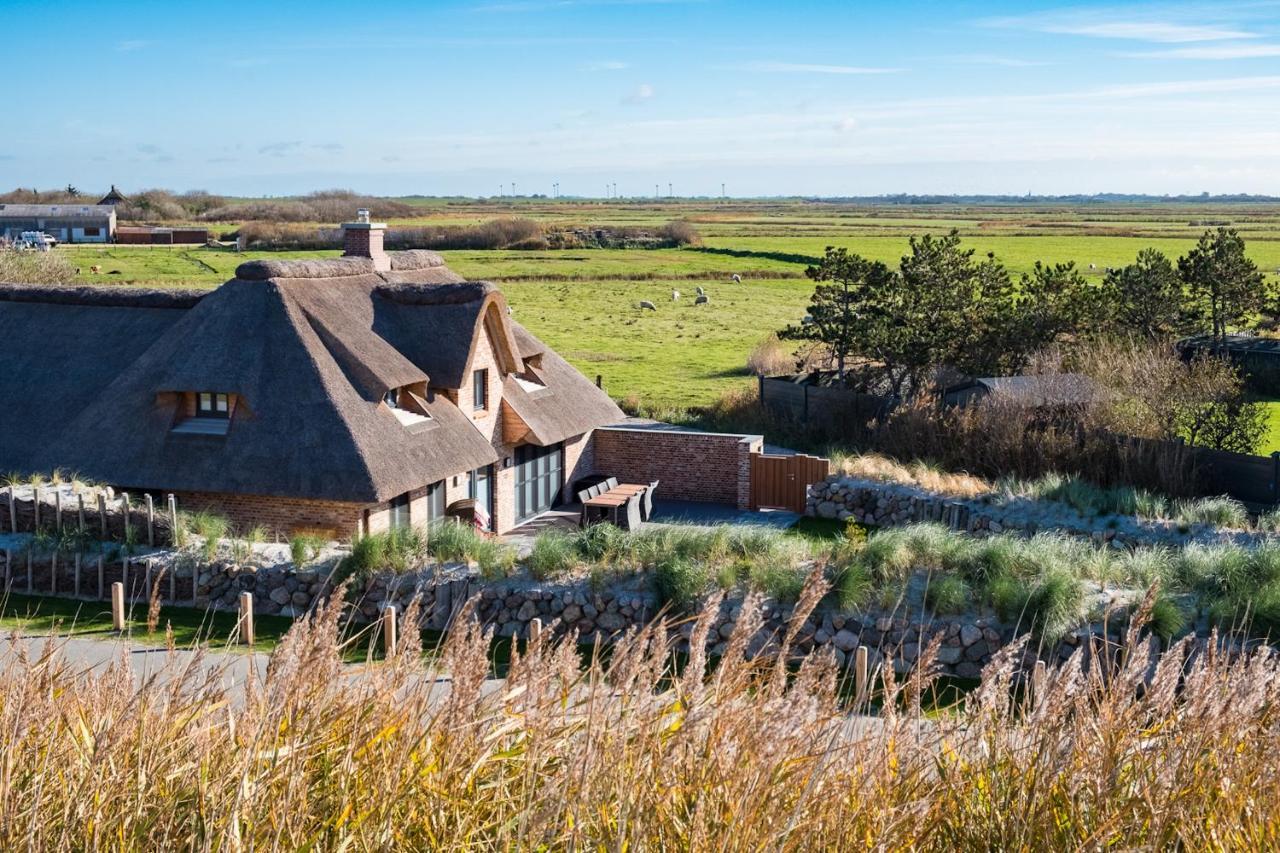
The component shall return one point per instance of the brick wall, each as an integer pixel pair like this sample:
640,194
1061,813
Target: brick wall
693,466
282,517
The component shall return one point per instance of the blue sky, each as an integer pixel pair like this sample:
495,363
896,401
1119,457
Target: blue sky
770,98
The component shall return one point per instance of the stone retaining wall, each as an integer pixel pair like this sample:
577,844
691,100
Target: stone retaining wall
882,504
968,643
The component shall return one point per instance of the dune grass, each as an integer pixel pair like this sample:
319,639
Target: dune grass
634,752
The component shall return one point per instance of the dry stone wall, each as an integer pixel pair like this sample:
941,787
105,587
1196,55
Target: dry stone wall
880,504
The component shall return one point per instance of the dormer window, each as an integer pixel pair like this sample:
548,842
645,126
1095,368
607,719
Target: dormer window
204,413
407,409
212,405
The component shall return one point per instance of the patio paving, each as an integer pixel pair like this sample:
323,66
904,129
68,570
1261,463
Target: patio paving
665,514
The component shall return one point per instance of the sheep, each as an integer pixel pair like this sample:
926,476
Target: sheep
702,292
95,269
737,279
675,296
702,300
1093,266
645,303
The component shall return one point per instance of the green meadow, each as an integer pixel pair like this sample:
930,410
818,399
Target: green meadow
584,302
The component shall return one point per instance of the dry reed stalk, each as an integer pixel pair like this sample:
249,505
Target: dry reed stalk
429,753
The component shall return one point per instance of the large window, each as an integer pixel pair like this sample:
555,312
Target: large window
212,405
480,389
539,476
400,511
435,502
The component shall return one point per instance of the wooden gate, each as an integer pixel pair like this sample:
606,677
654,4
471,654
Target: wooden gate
780,482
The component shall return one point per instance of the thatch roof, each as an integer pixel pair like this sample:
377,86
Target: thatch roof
88,379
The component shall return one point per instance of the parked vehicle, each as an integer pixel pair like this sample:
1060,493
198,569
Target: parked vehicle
37,240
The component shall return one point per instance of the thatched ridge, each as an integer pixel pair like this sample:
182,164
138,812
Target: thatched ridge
119,296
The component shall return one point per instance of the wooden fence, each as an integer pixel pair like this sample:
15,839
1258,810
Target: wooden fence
54,510
782,481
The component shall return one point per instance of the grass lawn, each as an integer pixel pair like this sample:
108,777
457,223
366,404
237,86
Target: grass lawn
583,302
1271,438
33,614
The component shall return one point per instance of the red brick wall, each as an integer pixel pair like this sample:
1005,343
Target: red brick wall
282,517
693,466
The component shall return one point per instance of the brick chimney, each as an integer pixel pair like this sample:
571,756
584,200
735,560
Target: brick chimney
363,239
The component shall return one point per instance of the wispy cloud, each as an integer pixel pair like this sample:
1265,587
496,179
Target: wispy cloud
642,93
989,59
1251,50
1162,25
808,68
550,5
279,149
130,45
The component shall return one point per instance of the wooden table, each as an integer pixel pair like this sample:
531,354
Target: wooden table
614,498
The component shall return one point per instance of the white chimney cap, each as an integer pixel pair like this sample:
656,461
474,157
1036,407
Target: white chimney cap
362,215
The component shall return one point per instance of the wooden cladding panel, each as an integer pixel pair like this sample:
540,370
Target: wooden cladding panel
782,482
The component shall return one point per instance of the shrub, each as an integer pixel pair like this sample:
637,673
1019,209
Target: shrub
1054,604
26,267
452,542
1008,595
771,357
398,550
1217,512
208,525
678,232
779,582
679,581
600,541
304,548
947,594
553,554
1167,618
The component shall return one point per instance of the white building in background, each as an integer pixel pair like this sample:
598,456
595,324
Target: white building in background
67,223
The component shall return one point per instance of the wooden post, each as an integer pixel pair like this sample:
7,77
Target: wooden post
102,514
389,630
75,578
13,512
599,381
246,618
35,508
117,606
57,509
535,629
102,576
30,573
124,505
124,574
173,521
80,514
860,675
151,522
1039,675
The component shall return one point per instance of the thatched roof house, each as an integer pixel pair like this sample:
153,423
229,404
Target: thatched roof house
340,394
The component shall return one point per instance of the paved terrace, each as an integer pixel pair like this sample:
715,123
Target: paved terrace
666,513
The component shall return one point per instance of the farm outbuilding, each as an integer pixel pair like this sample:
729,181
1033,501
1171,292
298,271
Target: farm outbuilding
147,235
68,223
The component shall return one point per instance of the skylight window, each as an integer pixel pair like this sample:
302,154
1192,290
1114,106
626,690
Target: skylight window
396,400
